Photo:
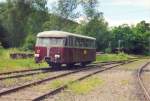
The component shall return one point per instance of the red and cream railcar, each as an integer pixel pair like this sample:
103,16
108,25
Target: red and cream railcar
57,47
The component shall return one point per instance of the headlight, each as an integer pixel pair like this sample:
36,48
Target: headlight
57,56
36,55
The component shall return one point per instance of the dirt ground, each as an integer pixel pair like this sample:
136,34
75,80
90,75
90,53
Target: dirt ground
120,84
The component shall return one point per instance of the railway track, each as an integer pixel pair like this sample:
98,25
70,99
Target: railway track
47,79
24,73
58,90
141,82
47,68
9,91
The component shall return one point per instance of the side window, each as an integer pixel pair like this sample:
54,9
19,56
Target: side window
82,42
71,41
90,43
86,43
94,44
66,42
76,42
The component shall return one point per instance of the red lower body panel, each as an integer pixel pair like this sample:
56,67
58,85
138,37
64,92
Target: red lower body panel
67,55
74,55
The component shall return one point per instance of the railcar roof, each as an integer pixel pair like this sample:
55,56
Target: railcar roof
61,34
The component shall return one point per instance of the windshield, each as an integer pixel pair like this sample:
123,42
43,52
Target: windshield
50,42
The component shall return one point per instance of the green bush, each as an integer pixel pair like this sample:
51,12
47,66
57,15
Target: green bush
108,50
29,42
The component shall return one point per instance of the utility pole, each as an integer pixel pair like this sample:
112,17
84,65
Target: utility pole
119,44
109,46
149,45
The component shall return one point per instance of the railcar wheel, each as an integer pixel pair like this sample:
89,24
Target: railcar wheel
83,64
70,65
55,65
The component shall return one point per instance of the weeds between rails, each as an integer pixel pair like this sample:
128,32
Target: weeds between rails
47,79
141,83
58,90
24,73
29,70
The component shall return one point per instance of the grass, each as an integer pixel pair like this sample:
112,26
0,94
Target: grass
82,87
9,82
86,86
53,85
112,57
8,64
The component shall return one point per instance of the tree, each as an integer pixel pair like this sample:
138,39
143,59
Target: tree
90,8
20,17
135,39
141,35
58,23
60,19
3,37
96,26
66,8
38,16
123,33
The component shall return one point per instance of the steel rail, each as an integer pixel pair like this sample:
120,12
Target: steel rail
24,75
42,70
141,83
21,71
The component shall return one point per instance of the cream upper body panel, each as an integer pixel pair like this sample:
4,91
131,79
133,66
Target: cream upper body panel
61,34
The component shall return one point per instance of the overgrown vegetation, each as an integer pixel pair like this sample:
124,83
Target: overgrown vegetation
86,85
112,57
8,64
82,87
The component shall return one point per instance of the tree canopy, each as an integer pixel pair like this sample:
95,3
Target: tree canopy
21,20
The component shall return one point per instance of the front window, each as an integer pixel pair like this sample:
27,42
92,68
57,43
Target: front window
50,42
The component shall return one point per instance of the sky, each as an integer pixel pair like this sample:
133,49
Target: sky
117,12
